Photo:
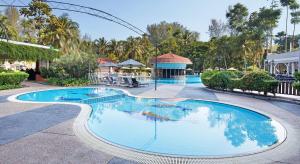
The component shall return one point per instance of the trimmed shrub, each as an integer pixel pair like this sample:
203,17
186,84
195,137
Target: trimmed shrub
297,76
219,80
234,83
69,82
270,86
5,87
15,78
257,81
296,85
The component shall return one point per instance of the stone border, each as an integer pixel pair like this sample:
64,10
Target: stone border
80,129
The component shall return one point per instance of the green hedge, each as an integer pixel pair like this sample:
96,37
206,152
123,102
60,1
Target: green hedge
259,81
5,87
23,52
297,83
68,82
12,78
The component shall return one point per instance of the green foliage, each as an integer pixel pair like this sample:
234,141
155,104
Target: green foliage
6,86
220,80
53,72
75,65
14,78
270,86
205,76
254,81
297,83
22,52
297,76
68,82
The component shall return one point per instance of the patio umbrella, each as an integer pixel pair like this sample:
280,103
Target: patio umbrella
125,68
131,63
232,69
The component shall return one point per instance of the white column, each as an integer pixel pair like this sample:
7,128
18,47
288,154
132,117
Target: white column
271,68
288,68
293,68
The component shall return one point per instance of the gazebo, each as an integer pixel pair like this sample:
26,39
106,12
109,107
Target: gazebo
170,66
283,64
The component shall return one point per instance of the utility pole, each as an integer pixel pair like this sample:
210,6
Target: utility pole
155,70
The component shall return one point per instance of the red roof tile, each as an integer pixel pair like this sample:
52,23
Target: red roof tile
171,58
104,60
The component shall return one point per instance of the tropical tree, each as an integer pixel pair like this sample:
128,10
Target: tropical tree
40,13
101,46
295,19
237,18
217,29
287,4
62,33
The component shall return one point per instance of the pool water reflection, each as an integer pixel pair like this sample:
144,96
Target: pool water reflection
181,127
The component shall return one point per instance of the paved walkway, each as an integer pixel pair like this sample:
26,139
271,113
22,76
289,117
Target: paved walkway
42,133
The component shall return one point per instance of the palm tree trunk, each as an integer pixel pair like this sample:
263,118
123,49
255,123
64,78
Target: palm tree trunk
286,27
293,39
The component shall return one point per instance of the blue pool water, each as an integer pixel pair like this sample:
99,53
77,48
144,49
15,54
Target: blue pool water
189,79
182,127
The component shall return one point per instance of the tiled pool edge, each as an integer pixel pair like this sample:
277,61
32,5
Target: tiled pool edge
83,133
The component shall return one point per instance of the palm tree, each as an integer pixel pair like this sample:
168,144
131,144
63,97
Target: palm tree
295,19
287,4
101,46
63,33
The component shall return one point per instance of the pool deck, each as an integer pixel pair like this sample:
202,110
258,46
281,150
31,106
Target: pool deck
43,133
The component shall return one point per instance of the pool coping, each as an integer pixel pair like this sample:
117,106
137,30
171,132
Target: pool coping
80,129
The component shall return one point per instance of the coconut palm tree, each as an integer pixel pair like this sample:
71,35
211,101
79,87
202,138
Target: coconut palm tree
287,4
101,46
62,32
295,19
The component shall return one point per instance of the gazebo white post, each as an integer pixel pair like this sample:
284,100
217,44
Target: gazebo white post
293,68
271,67
288,68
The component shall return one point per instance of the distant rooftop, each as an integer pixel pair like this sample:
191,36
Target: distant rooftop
172,58
288,56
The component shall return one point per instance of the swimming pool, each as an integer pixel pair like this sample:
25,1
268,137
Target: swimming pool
189,79
180,127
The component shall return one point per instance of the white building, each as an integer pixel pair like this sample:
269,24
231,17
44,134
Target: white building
283,64
18,65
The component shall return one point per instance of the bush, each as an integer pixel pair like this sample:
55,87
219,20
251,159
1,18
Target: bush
75,65
297,76
4,87
219,80
235,83
296,85
213,79
14,78
270,86
259,81
53,72
69,82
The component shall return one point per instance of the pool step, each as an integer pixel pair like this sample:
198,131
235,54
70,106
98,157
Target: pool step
102,99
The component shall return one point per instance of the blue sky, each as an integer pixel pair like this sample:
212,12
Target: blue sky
194,14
